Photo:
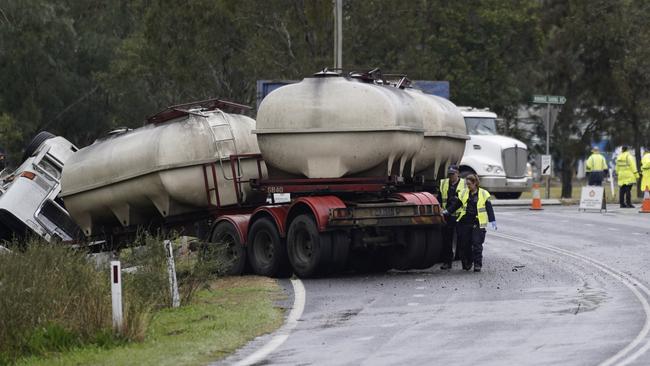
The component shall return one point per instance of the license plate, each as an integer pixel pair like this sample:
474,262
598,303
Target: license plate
385,211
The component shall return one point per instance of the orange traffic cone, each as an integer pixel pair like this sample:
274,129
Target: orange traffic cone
537,200
645,207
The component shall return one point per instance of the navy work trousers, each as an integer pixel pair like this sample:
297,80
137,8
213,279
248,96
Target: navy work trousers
471,238
448,235
596,178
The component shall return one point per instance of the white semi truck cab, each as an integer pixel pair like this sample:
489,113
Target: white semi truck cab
501,162
29,203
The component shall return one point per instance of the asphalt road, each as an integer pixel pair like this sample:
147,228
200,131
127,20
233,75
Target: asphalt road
558,287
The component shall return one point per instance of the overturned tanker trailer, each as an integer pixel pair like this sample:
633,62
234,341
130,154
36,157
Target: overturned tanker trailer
344,148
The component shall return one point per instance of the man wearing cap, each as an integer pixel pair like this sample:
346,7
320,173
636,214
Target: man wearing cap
450,187
627,175
596,168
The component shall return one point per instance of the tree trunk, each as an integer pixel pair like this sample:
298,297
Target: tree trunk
567,177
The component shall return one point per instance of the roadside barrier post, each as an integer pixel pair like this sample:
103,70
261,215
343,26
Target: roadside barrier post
537,200
116,294
171,268
645,207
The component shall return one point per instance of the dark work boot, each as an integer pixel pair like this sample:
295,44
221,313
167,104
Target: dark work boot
477,268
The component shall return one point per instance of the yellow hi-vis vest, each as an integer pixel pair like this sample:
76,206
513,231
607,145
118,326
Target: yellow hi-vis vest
444,189
595,163
483,196
626,169
645,170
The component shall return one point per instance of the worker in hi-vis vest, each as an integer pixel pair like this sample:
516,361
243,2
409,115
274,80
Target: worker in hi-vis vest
596,168
627,175
450,187
475,214
645,171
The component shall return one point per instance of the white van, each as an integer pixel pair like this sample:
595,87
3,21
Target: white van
28,196
501,162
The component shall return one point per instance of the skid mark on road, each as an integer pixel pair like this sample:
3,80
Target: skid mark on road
634,349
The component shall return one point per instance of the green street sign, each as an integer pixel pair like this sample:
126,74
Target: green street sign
549,99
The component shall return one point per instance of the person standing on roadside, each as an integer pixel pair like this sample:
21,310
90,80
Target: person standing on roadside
475,213
645,171
627,175
450,187
596,168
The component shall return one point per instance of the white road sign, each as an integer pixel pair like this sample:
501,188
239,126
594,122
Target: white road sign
592,198
546,165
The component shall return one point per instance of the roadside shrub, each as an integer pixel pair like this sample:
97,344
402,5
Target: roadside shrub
51,298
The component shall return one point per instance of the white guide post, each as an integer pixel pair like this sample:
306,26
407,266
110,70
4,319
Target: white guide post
171,268
116,294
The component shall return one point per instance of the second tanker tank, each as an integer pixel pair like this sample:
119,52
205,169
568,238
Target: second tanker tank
160,170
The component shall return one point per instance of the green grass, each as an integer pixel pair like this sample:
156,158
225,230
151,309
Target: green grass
219,320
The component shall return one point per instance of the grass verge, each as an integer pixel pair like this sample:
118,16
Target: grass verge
220,319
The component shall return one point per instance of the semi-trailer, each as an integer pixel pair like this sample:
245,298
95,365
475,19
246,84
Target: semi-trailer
356,153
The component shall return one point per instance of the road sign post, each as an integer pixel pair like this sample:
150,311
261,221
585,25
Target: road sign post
116,294
548,100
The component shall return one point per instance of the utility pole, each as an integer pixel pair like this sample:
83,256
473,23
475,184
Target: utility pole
548,147
338,33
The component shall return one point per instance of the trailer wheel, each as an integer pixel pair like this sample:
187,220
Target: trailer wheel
267,252
309,250
37,141
226,250
409,254
433,248
340,251
369,261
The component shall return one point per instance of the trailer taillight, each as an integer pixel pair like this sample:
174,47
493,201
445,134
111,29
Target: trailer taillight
340,213
28,175
426,209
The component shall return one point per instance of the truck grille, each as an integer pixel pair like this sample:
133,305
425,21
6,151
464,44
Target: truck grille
514,161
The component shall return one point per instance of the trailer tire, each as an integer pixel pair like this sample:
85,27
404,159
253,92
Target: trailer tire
267,252
226,245
409,255
340,251
37,141
309,250
368,261
433,248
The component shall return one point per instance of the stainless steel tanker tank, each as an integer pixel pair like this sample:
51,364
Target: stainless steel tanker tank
158,170
444,136
333,126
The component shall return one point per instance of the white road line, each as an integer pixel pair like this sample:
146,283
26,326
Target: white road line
364,338
420,288
637,233
419,280
612,229
282,334
413,303
388,325
622,357
418,295
590,225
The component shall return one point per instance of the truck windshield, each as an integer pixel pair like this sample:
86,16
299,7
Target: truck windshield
481,126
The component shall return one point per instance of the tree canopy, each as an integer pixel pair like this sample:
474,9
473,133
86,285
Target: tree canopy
80,68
